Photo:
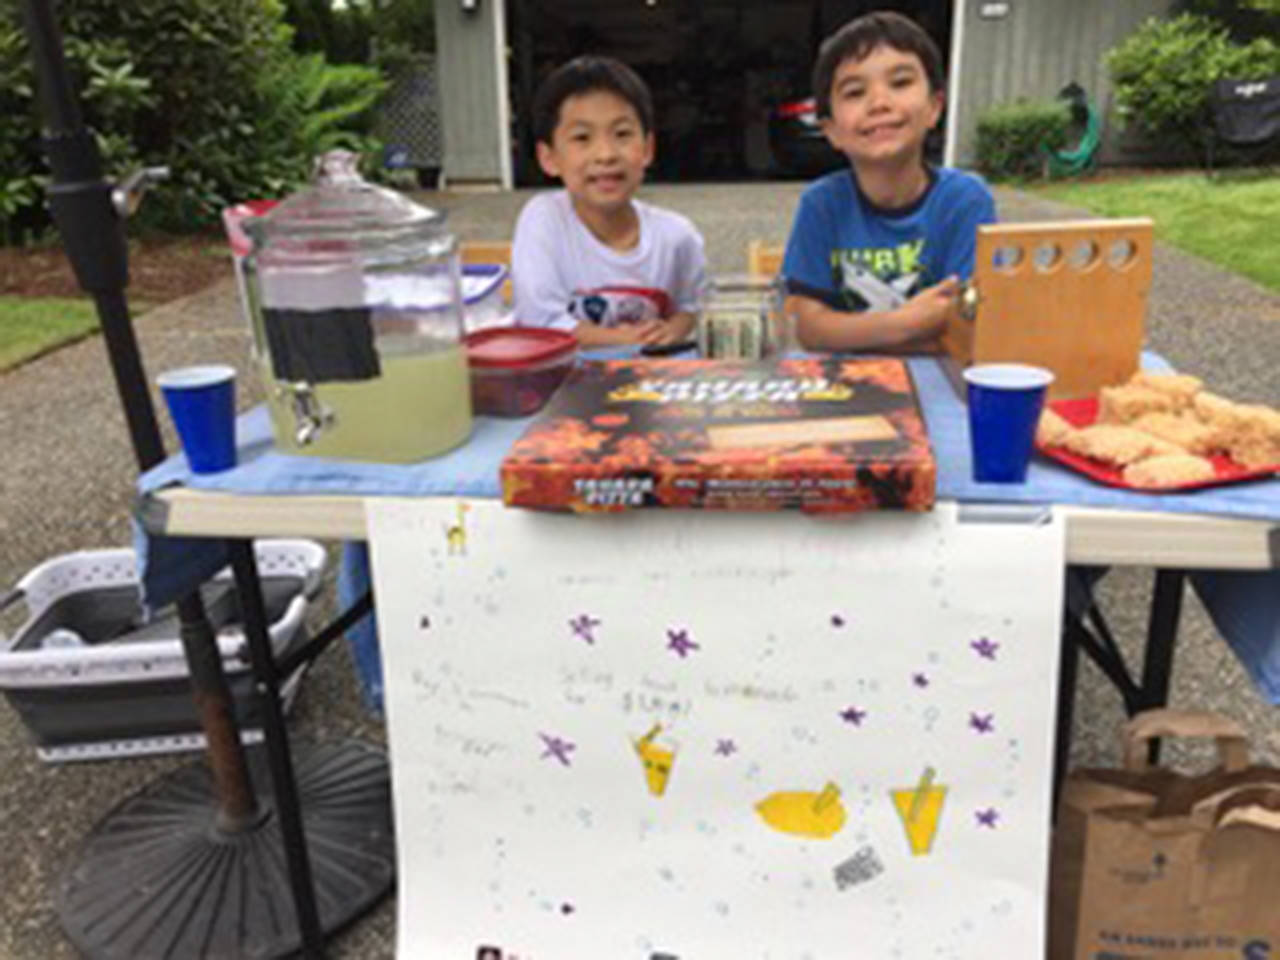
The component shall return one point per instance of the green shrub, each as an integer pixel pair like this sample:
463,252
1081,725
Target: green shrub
1162,72
209,88
1013,138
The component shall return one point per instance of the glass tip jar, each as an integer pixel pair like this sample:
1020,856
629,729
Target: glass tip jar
743,318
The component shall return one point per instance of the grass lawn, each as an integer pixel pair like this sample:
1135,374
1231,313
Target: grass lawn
34,325
1231,222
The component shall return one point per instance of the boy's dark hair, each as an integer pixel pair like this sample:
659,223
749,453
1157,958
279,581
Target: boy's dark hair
586,75
857,38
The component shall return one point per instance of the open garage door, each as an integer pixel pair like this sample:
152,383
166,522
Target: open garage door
722,72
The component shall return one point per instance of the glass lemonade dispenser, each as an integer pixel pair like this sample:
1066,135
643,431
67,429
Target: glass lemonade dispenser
354,296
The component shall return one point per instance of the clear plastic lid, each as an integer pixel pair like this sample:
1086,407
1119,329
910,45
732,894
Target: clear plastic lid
342,217
742,283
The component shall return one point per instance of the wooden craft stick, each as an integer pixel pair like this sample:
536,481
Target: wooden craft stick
922,790
829,795
789,433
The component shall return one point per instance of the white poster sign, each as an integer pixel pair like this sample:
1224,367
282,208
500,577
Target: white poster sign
713,736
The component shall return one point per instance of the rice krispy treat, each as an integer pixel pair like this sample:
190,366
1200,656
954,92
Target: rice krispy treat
1187,432
1170,470
1259,418
1253,439
1052,430
1213,409
1117,444
1126,404
1180,387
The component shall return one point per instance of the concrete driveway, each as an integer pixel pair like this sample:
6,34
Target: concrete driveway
67,480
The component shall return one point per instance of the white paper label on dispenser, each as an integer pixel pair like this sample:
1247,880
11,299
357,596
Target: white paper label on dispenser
294,289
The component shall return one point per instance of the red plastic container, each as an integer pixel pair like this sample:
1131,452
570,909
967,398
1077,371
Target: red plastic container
515,370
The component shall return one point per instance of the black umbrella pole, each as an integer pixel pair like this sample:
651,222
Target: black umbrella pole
93,234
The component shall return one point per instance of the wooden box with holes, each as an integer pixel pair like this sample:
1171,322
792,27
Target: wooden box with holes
1069,296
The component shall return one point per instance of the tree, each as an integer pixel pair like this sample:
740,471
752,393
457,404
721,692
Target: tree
210,88
1164,70
1245,20
312,22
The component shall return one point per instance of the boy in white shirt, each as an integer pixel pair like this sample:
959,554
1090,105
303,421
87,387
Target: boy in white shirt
590,258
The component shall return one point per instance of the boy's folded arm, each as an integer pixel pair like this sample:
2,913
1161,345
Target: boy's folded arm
821,327
673,329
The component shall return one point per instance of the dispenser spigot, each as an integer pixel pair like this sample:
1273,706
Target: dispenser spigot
310,415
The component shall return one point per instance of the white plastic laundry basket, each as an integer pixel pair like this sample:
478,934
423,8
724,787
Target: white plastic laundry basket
91,678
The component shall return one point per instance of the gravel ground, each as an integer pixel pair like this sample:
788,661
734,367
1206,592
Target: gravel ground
67,481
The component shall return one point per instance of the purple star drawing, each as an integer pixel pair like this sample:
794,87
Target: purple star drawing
985,648
678,640
983,722
853,715
837,620
557,747
726,748
987,818
566,909
583,626
920,680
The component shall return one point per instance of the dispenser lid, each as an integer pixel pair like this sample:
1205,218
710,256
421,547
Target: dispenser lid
343,217
743,283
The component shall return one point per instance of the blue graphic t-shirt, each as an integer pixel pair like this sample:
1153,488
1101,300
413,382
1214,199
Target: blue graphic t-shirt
852,255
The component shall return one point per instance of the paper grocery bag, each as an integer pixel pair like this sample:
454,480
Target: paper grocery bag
1149,864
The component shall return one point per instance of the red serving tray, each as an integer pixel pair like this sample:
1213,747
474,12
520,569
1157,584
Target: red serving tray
1084,412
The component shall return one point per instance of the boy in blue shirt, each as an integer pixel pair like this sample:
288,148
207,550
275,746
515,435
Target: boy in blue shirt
877,253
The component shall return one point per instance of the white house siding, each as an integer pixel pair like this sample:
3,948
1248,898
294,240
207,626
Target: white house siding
472,71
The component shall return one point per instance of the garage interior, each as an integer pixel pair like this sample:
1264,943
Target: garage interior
717,69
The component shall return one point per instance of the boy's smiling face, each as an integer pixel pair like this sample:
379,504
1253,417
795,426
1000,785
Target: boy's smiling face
882,107
599,149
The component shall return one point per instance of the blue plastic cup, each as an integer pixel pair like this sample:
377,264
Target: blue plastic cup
202,402
1005,400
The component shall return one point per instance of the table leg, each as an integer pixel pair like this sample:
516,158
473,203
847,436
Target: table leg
1068,667
1162,634
266,672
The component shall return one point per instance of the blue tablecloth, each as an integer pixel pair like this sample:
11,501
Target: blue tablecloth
1245,606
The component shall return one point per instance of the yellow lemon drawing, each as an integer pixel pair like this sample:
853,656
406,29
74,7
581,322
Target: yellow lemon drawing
804,813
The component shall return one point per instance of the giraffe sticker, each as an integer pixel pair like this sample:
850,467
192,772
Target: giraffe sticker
804,813
657,759
455,534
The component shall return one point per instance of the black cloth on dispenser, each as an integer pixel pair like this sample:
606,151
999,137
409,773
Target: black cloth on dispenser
321,346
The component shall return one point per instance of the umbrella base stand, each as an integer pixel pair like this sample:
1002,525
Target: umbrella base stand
159,878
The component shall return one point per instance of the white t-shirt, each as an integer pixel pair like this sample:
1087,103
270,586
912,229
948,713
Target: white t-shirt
562,274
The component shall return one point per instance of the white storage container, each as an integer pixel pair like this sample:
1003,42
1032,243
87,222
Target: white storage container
91,679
